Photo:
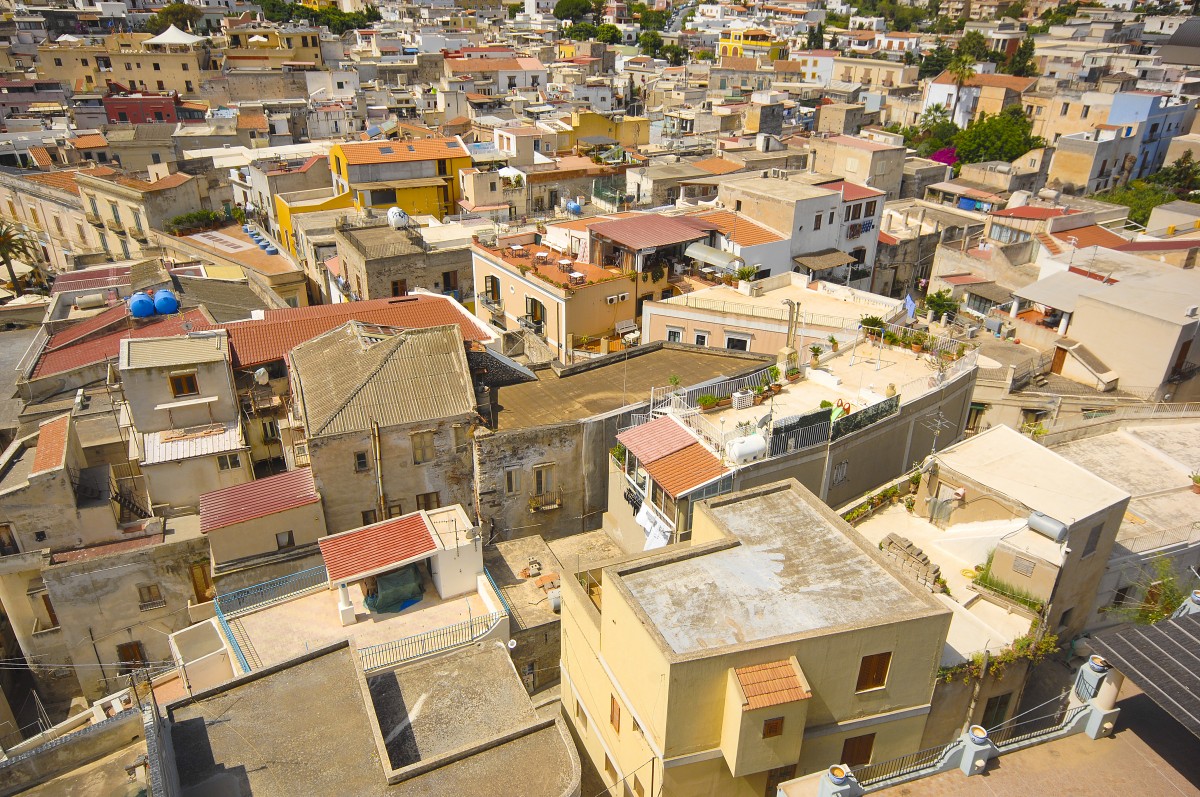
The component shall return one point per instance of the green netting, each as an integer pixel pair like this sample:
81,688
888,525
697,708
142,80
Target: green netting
396,591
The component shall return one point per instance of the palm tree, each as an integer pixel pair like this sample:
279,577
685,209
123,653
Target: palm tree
962,69
14,244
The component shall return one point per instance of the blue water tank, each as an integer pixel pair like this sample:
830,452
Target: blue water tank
165,303
263,243
574,207
245,228
271,250
141,305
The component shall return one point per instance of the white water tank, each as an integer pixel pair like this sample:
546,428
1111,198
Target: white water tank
750,448
1048,527
90,301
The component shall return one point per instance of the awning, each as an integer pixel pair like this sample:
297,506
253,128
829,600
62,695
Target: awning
414,182
711,255
1163,660
381,547
824,259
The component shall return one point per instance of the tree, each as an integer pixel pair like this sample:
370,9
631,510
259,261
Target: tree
1005,136
705,55
181,15
675,55
608,34
935,62
962,69
1140,197
654,20
816,37
973,44
1020,63
650,43
574,10
1161,594
1182,176
934,115
580,31
15,244
514,9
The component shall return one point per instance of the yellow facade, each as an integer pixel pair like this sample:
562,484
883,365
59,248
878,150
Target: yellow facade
121,58
752,44
438,196
288,205
629,131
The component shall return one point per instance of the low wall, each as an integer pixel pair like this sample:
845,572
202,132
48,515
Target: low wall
70,752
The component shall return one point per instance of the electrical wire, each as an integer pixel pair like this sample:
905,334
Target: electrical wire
622,780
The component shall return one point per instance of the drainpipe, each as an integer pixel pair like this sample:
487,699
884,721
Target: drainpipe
378,469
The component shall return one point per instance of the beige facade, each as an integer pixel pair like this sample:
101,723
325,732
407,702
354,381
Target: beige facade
50,211
873,73
124,59
124,209
860,161
650,681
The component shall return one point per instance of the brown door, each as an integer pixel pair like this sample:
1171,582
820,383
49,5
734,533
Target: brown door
50,611
201,582
1060,357
1181,360
857,750
132,656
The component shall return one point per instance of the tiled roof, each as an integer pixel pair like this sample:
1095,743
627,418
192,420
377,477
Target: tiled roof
106,549
1052,246
738,64
964,279
650,229
1091,235
106,347
252,120
656,439
685,470
1009,82
257,499
112,315
470,66
172,445
89,141
772,684
739,229
852,192
334,264
423,149
377,547
51,451
41,156
64,180
718,166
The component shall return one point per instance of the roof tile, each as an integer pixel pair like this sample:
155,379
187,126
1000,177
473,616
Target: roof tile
772,684
375,547
51,449
656,439
423,149
257,499
685,470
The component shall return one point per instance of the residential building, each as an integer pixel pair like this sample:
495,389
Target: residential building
147,107
178,61
125,208
376,260
860,161
47,205
984,93
418,176
650,676
909,235
268,178
754,43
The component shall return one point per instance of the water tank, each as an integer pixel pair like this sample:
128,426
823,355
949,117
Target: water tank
397,218
574,208
90,301
165,303
271,250
141,305
746,449
263,243
1048,527
245,228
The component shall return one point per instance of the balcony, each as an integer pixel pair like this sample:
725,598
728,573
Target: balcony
544,502
93,219
138,234
115,225
536,327
146,606
491,303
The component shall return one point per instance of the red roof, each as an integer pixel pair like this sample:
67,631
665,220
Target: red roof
964,279
106,549
852,192
1030,212
773,684
652,229
685,470
655,440
1091,235
107,347
86,327
257,499
269,339
51,449
334,264
377,547
72,280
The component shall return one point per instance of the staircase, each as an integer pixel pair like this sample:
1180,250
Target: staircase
131,508
242,640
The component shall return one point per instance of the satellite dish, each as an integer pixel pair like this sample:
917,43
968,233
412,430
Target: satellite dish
261,377
187,327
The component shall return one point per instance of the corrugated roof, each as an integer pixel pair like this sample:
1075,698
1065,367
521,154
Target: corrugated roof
656,439
51,451
739,229
257,499
852,192
685,470
420,149
651,229
1091,235
106,347
361,374
772,684
172,445
718,166
1030,212
113,315
1010,82
376,547
203,347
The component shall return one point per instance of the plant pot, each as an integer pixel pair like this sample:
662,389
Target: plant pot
918,348
725,402
815,362
838,774
1196,488
793,377
709,408
758,399
895,500
833,344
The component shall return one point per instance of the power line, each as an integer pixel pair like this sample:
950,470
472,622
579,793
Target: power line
622,780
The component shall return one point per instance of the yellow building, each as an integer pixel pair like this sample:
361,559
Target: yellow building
776,643
753,43
419,176
125,58
268,47
290,205
629,131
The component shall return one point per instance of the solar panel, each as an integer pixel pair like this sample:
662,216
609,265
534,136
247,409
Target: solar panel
1163,660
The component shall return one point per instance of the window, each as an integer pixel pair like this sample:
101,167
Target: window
491,288
614,713
543,478
399,287
701,338
422,447
58,62
1093,540
581,718
229,462
185,67
361,463
609,769
512,481
428,501
856,750
284,539
737,206
994,711
137,217
369,516
157,68
873,671
187,87
1066,106
1083,113
817,222
132,656
1065,620
737,342
869,210
161,85
777,776
184,385
150,597
1023,566
639,788
1121,596
772,727
674,334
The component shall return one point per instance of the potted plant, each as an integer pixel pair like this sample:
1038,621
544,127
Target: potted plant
674,380
918,342
815,350
871,324
725,401
758,395
793,374
773,373
833,343
707,401
1195,482
909,503
914,482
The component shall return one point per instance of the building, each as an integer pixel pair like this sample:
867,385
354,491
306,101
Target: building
748,643
755,43
860,161
129,207
148,107
418,176
375,259
983,93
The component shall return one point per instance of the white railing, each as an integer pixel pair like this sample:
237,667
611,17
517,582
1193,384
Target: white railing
1135,412
1183,534
918,387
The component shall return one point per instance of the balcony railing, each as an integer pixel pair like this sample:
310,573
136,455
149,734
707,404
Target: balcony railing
275,591
493,305
93,219
536,327
389,654
544,501
146,606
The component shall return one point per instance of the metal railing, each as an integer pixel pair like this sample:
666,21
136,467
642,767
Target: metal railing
389,654
233,643
146,606
739,308
547,500
1009,737
1184,533
1084,690
870,774
246,600
503,600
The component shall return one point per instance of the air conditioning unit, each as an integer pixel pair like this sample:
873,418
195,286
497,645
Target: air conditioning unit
612,299
624,297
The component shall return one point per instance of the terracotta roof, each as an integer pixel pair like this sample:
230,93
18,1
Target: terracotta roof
41,156
651,229
470,66
51,451
269,339
852,192
772,684
1009,82
1158,246
685,470
964,279
107,318
106,347
718,166
373,548
1030,212
738,64
106,549
422,149
656,439
740,229
1091,235
71,280
257,499
64,180
334,264
1052,246
89,141
888,238
252,120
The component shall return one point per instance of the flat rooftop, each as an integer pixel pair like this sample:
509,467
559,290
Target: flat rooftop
232,245
103,777
819,307
615,381
795,569
506,561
